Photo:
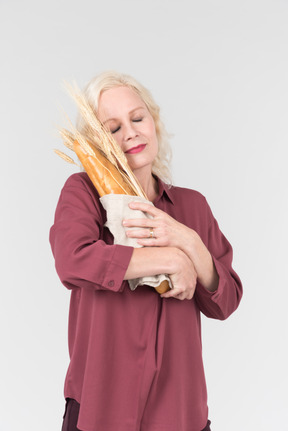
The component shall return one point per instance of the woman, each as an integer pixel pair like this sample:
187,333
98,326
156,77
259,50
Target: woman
135,356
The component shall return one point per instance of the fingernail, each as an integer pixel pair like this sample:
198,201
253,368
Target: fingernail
124,222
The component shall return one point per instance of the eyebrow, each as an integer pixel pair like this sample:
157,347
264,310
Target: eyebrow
130,112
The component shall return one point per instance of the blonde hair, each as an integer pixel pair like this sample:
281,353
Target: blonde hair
110,79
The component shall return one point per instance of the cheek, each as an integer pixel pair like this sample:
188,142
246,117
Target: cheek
154,138
151,131
118,139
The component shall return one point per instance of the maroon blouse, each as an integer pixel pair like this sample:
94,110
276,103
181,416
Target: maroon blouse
135,358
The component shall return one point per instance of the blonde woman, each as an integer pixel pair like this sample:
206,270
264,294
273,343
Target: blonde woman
135,356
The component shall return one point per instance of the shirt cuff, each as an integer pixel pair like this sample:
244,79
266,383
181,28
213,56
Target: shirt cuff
116,270
216,294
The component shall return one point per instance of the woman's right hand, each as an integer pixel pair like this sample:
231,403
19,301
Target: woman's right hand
183,277
146,261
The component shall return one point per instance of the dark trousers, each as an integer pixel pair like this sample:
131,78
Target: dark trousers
71,417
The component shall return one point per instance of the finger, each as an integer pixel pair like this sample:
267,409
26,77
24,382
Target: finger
173,293
148,208
138,233
140,222
182,296
149,242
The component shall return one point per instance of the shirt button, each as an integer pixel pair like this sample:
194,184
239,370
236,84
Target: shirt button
111,283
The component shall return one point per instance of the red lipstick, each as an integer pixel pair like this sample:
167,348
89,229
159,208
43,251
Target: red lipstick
137,149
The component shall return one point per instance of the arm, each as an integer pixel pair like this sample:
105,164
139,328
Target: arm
170,233
168,260
219,289
82,257
199,254
224,301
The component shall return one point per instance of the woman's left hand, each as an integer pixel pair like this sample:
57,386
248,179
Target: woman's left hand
160,231
164,231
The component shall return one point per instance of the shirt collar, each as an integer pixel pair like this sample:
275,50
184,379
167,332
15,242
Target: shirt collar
164,189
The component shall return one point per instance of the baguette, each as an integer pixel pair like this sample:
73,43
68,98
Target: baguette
103,174
107,179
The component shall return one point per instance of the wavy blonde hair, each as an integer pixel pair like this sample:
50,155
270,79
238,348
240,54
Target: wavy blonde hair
110,79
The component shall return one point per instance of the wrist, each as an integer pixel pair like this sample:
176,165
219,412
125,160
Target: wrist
179,261
146,261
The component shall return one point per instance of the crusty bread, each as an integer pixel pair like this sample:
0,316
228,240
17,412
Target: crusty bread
105,176
106,179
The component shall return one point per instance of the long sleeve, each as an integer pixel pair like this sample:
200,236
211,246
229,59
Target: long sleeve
224,301
82,247
123,346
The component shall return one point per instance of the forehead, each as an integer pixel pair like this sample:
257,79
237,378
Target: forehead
118,100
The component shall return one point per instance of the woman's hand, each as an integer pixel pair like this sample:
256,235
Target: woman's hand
183,277
166,231
147,261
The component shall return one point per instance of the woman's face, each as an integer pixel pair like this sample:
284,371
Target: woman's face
126,116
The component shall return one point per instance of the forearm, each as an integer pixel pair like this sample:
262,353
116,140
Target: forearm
168,232
146,261
201,258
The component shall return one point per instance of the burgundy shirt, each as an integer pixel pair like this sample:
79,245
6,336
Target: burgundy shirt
135,358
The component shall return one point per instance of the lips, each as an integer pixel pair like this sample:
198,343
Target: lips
136,149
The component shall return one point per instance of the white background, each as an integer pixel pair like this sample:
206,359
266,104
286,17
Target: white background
219,71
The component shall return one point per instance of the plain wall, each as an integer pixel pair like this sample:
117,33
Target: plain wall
219,72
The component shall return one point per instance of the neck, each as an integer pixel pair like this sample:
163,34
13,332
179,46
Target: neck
149,185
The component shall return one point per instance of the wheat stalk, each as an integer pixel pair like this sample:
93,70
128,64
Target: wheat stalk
68,138
100,138
96,132
65,157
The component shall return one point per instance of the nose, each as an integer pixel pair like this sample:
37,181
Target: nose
129,131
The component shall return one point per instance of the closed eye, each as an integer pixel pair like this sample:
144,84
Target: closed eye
115,130
135,120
